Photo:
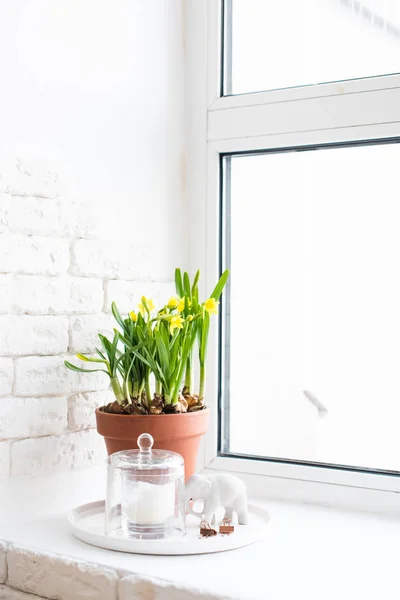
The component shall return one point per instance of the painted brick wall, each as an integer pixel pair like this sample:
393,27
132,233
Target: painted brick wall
92,205
57,282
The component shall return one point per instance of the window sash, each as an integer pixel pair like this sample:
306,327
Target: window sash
224,320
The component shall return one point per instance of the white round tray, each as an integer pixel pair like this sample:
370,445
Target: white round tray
87,524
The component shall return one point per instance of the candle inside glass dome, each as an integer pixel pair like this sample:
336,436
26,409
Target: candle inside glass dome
148,503
145,492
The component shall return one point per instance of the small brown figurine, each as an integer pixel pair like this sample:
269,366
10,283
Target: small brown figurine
206,530
226,526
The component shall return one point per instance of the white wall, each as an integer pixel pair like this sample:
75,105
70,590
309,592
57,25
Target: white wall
92,202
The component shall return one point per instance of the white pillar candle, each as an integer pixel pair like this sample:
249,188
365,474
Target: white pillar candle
148,503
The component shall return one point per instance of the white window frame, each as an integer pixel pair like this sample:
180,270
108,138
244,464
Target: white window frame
364,109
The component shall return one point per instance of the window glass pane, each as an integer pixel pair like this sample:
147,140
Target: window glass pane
314,305
284,43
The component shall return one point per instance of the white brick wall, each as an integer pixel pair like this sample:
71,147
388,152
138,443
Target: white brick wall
81,408
32,574
6,375
29,176
32,417
134,586
129,293
113,260
4,459
34,216
58,278
3,562
39,375
23,335
58,576
43,455
33,255
7,593
4,208
84,331
50,295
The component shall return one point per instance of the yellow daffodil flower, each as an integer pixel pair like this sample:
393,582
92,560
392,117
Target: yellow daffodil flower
149,304
211,306
181,305
173,302
189,318
176,323
133,316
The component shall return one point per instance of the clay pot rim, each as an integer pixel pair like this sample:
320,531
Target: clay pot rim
186,414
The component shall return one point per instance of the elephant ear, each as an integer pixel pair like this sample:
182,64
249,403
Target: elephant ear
206,485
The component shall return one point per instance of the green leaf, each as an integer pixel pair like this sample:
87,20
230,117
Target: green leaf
174,352
114,344
163,353
220,285
90,358
105,343
190,336
204,337
79,370
195,282
117,316
178,283
100,354
164,333
186,284
174,338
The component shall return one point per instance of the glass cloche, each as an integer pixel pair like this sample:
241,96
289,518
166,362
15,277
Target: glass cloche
145,492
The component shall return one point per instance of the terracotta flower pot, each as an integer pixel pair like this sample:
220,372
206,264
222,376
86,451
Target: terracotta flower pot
180,433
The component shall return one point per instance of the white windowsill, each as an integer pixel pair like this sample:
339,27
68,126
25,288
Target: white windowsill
310,552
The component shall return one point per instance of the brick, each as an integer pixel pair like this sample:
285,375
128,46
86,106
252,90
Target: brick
93,258
64,217
81,219
47,375
6,376
23,335
3,562
34,216
127,294
4,210
113,260
23,176
50,295
6,292
84,331
49,454
33,255
81,408
59,577
7,593
4,460
32,417
134,586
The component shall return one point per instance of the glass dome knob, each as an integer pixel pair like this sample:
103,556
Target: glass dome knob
145,443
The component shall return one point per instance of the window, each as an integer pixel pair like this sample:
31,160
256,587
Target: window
314,249
284,43
297,140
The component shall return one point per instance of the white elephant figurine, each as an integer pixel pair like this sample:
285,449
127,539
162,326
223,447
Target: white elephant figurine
216,490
